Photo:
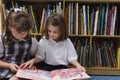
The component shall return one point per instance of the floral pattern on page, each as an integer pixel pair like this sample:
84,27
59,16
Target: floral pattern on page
68,74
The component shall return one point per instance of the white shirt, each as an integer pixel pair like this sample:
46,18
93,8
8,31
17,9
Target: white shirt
56,53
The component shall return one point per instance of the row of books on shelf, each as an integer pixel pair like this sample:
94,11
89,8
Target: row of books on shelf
101,19
38,13
102,53
81,19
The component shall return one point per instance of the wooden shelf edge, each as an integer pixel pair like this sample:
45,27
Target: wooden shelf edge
94,1
101,36
40,0
103,71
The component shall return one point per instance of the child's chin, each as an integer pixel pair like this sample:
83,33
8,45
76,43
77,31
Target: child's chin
20,39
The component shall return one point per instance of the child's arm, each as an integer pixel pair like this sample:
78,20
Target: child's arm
29,64
76,64
12,67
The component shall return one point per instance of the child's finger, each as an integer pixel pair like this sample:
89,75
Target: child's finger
23,65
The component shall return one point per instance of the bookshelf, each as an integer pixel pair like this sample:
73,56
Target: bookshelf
0,16
94,47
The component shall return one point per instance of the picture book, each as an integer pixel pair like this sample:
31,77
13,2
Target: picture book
60,74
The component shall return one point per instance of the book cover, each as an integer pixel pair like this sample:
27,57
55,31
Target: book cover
60,74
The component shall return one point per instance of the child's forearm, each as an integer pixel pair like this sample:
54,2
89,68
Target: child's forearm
75,63
4,64
37,60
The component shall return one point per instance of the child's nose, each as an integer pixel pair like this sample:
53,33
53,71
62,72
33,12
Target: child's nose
52,34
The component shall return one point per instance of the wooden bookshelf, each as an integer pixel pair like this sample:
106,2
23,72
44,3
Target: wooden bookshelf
0,16
103,71
99,70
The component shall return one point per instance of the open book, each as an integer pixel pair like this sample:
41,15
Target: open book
60,74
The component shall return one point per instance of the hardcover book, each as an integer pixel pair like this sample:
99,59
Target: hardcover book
60,74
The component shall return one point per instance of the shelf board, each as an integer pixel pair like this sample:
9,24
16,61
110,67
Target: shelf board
83,1
35,33
116,36
94,1
73,35
40,0
103,71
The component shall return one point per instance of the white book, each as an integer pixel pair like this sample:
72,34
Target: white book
59,8
95,23
76,18
84,18
114,20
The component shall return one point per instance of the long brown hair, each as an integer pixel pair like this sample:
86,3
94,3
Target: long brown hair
20,21
58,21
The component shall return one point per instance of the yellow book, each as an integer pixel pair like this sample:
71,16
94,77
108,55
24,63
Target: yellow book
43,20
118,56
33,19
12,4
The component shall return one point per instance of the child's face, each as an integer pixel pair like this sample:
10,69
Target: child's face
53,32
17,35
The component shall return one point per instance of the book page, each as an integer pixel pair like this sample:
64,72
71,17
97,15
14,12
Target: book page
60,74
68,74
34,74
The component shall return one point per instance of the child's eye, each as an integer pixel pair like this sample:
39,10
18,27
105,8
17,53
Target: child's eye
55,32
49,31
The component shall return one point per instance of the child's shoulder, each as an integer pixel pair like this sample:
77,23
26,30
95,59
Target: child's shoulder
68,39
33,39
43,39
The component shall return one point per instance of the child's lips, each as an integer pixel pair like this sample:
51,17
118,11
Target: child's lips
52,37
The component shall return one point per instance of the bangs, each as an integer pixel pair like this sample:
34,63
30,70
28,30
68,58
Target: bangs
22,28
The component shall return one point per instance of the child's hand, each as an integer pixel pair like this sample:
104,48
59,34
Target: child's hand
78,66
14,67
81,68
29,64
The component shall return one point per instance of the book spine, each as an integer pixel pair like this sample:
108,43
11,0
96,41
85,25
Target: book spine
95,23
84,18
